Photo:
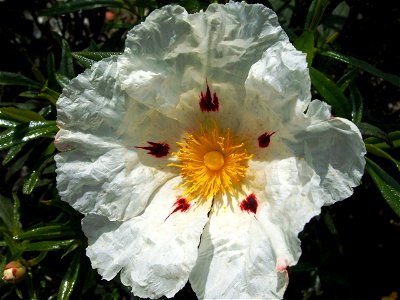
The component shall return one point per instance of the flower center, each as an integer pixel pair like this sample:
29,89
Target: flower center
211,161
214,160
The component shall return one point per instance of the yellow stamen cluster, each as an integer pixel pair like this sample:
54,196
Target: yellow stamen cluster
211,161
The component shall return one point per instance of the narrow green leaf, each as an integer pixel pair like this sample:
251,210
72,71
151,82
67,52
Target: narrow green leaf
27,132
87,59
20,115
357,102
14,247
36,260
394,137
331,93
46,233
6,212
85,62
7,78
51,71
315,14
347,79
49,94
394,79
7,123
62,80
387,185
50,245
64,206
371,130
68,283
71,6
66,64
381,153
12,153
16,229
32,179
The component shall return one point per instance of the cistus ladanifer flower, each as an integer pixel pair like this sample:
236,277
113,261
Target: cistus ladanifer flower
197,155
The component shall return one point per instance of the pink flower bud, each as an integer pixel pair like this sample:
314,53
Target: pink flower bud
14,272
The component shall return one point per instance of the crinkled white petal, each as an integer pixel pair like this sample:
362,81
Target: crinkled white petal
154,253
100,171
242,255
169,57
277,89
315,160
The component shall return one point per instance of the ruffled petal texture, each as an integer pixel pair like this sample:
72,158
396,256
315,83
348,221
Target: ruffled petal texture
242,255
100,170
169,57
155,251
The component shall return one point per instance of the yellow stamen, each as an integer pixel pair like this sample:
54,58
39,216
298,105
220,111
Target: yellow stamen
211,161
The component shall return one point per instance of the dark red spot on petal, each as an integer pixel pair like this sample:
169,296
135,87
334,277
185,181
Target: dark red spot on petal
265,139
14,272
249,204
180,205
156,149
207,101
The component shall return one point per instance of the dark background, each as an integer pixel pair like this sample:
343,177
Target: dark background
350,251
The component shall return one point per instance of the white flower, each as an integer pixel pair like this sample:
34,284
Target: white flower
198,155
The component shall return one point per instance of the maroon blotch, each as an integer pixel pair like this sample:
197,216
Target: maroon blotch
265,139
249,204
156,149
207,101
180,205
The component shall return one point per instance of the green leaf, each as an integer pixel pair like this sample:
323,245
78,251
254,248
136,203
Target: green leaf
381,153
331,93
20,115
394,79
6,212
46,232
12,153
305,43
66,64
14,247
387,185
27,132
315,13
371,130
62,80
49,94
71,6
32,180
6,123
68,283
50,245
51,71
394,137
7,78
357,102
87,59
347,79
16,228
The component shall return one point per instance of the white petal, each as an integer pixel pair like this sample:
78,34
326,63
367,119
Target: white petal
242,256
318,162
155,253
278,87
168,58
101,171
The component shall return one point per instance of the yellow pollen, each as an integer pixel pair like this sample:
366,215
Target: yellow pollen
214,160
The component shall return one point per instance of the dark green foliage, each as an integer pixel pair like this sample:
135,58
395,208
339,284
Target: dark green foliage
348,251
